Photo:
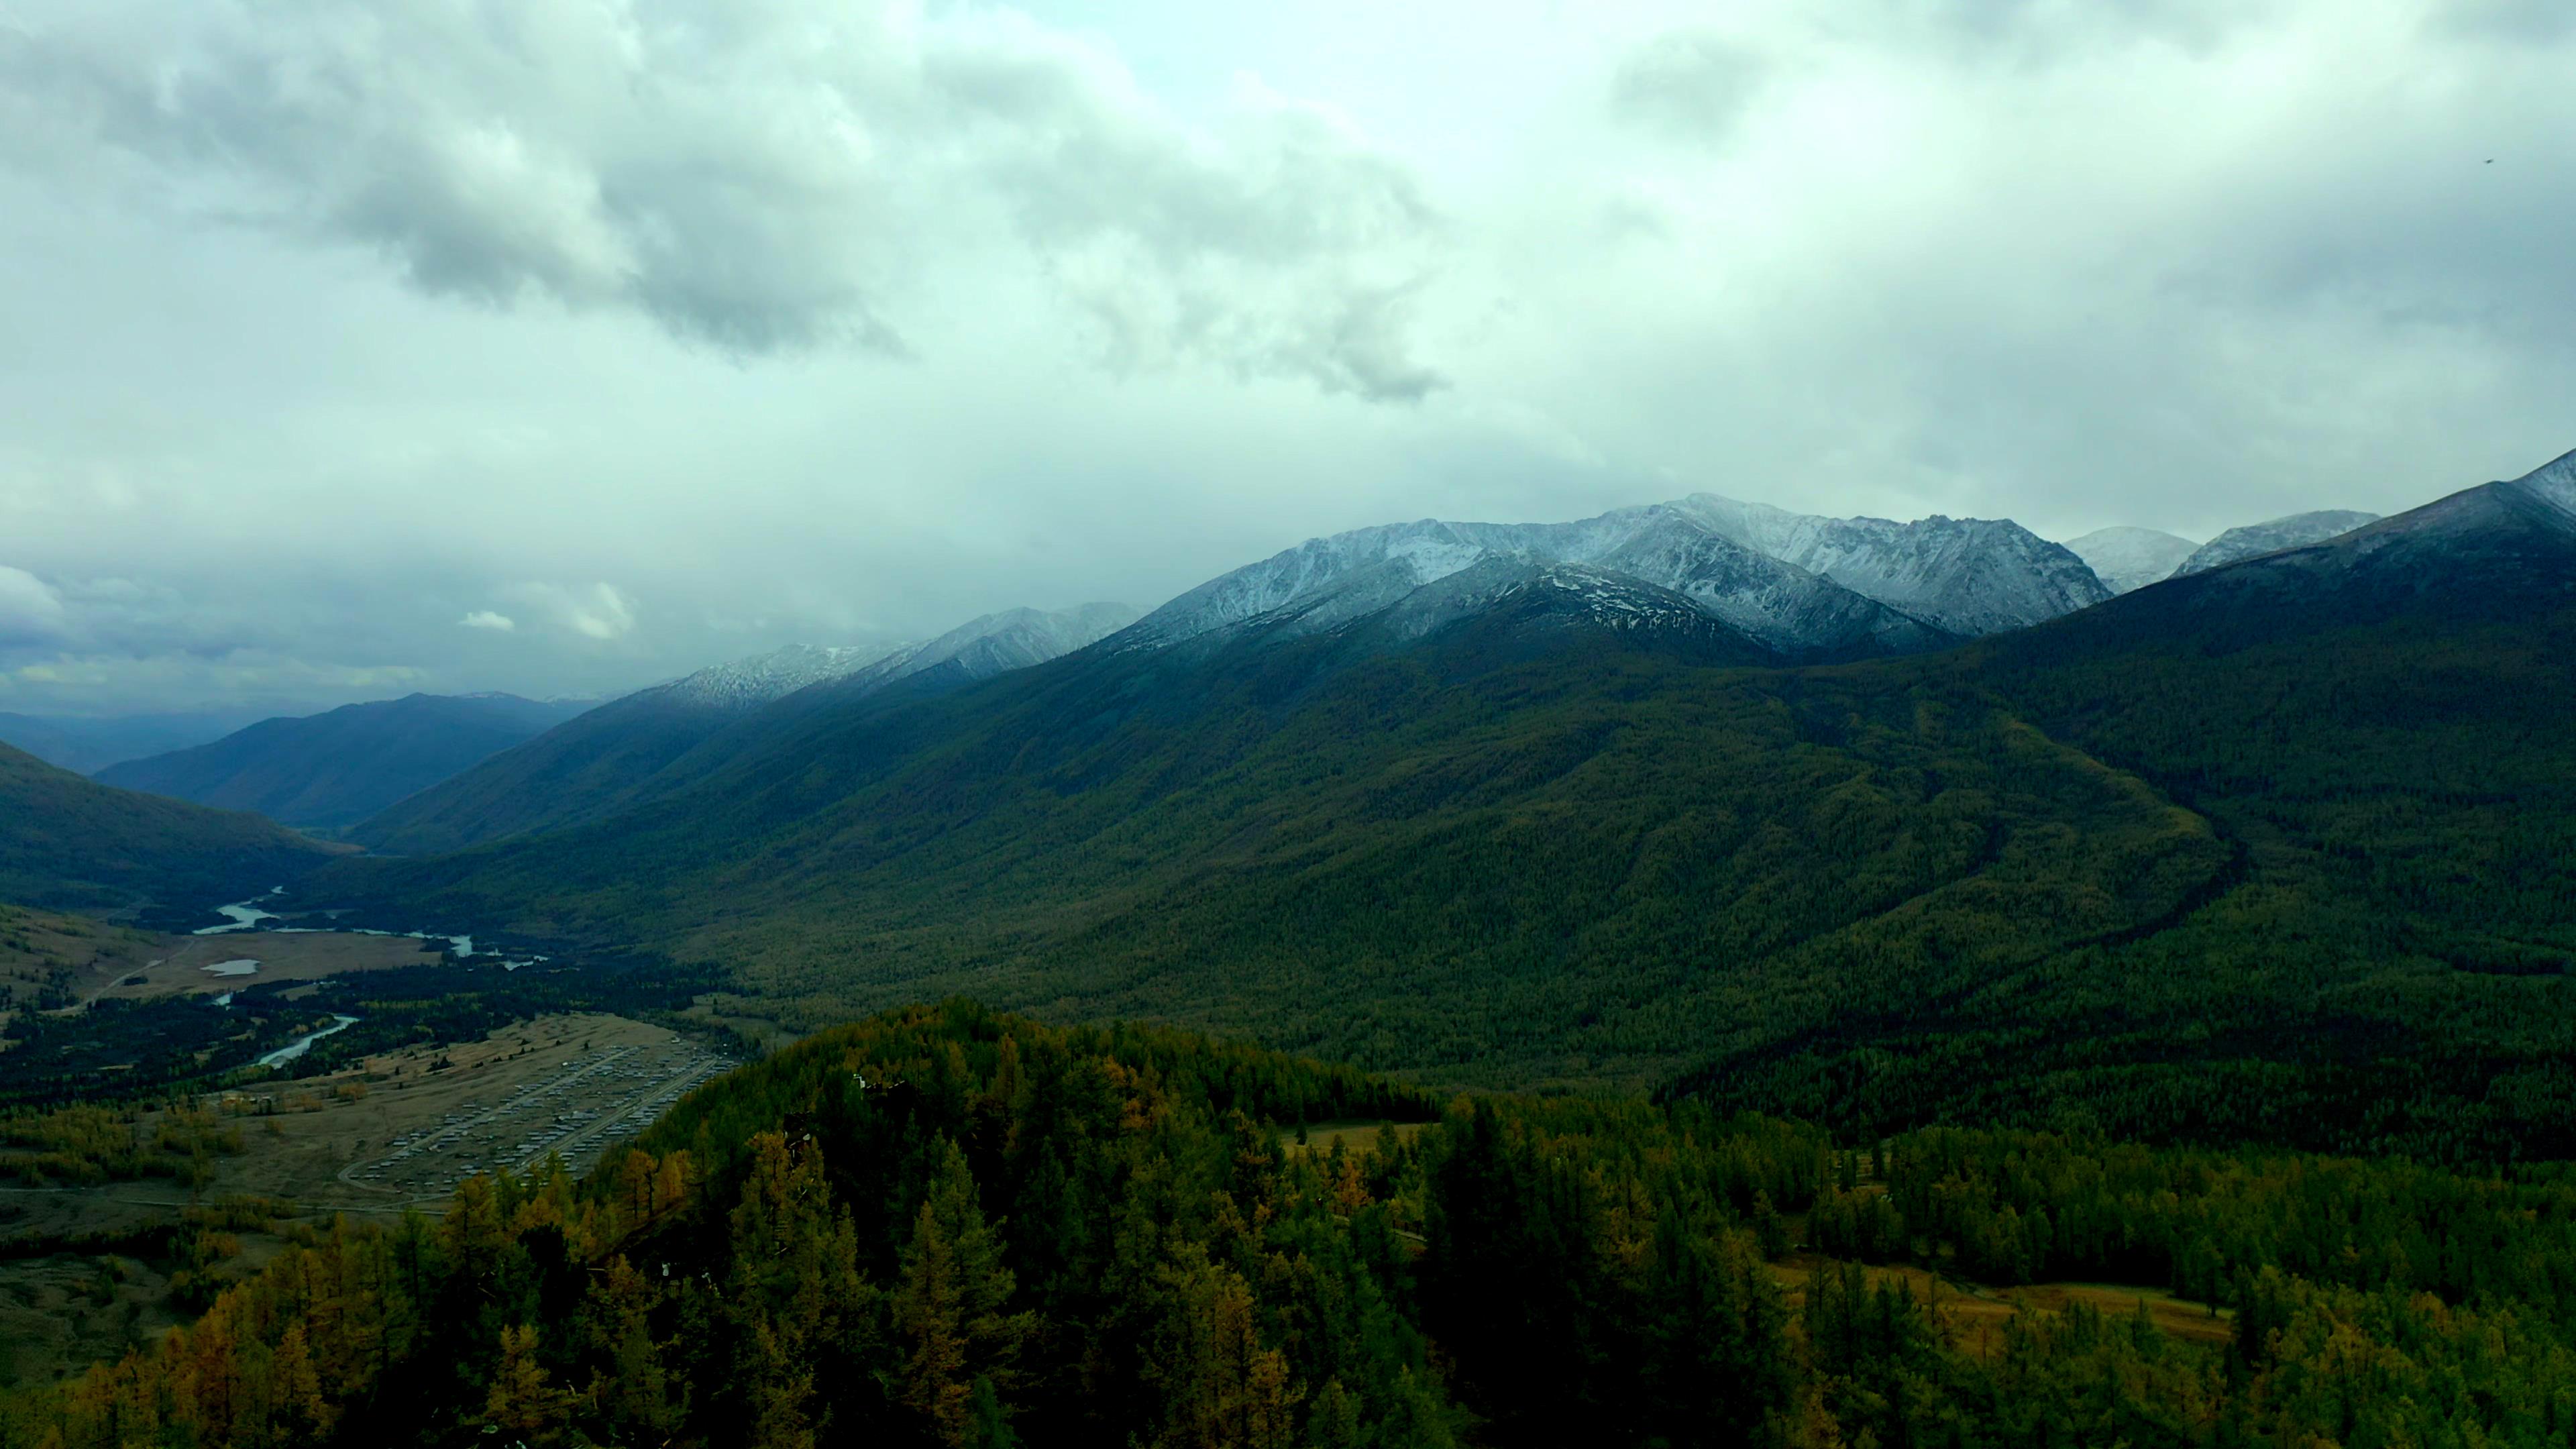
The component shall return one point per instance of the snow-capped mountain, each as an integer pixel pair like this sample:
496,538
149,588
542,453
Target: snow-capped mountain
1801,587
980,647
1017,638
2126,558
1967,575
742,684
1787,610
2255,539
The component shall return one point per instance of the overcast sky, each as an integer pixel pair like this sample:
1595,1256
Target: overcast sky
349,347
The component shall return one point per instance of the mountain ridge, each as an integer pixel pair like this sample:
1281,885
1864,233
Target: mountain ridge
610,756
333,769
70,843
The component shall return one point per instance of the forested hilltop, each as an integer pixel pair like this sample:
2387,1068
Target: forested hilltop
945,1227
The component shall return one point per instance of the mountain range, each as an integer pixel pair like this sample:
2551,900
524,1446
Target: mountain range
633,748
334,769
1539,804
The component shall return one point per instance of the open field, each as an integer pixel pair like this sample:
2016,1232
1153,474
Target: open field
404,1127
47,958
1976,1313
178,966
1353,1136
391,1133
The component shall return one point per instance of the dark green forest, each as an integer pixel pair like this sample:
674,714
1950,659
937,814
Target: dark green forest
947,1227
2151,876
72,844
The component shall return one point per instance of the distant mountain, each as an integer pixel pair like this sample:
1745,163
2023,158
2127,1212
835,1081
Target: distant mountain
2125,558
1967,575
69,843
333,769
613,755
1788,612
2254,539
89,745
2500,552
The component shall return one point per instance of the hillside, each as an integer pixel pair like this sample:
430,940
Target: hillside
333,769
946,1228
649,743
74,844
2256,539
1596,855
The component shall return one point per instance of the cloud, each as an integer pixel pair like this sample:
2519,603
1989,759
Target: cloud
486,619
1692,85
759,178
570,291
30,609
592,611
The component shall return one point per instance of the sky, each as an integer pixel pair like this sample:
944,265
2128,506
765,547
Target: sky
354,347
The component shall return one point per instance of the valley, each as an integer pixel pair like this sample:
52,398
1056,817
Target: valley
87,1269
2034,989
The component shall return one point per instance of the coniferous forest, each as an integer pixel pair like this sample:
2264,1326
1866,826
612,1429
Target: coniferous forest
944,1226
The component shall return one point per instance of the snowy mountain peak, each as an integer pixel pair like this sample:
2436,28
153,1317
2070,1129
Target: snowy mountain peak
1011,639
2126,558
2253,540
743,684
1967,575
1786,609
2553,482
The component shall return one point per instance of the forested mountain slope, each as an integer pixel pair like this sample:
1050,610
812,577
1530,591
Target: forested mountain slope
74,844
333,769
2228,855
946,1228
617,755
1506,851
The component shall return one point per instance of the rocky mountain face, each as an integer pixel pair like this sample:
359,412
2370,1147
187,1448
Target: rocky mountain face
1803,588
1967,575
2126,558
2255,539
1787,611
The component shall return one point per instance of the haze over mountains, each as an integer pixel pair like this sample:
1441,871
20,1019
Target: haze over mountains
1748,582
2126,558
88,745
334,769
613,755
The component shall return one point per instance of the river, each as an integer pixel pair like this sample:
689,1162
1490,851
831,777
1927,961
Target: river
304,1043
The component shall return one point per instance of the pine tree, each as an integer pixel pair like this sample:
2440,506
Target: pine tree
948,1306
